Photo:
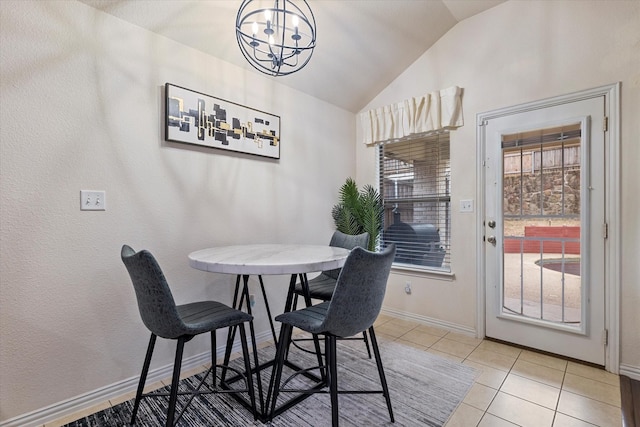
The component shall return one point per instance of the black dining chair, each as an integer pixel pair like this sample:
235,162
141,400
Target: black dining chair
165,319
354,307
322,286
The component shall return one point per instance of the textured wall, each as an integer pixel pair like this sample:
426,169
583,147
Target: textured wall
81,108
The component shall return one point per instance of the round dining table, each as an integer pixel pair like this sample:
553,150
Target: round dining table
296,260
267,259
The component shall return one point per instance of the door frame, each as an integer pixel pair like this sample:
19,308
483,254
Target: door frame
612,265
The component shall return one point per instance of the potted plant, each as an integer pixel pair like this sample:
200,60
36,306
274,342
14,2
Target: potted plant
358,211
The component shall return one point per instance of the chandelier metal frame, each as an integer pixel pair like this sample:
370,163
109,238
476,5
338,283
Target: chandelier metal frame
277,40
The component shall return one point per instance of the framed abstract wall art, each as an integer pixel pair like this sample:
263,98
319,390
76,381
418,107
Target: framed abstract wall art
196,118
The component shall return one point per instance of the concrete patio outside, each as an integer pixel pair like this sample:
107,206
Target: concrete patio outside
524,291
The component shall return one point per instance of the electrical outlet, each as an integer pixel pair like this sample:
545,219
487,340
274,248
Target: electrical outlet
466,205
91,200
407,288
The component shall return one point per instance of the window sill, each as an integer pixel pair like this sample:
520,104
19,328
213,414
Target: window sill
422,272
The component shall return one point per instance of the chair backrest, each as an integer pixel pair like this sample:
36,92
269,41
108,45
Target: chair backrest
155,301
347,241
357,298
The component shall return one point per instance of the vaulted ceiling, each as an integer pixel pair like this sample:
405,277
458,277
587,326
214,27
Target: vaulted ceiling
362,45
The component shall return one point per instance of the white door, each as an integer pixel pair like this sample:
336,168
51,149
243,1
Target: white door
544,229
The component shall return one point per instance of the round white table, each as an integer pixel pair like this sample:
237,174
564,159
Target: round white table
267,259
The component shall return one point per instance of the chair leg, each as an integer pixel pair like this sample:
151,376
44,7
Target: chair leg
304,282
330,349
278,365
247,368
143,378
366,343
173,396
294,305
214,360
383,379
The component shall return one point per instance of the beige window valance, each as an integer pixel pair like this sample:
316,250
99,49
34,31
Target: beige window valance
433,112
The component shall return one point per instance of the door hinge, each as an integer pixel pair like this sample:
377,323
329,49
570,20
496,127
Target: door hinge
605,124
605,230
605,337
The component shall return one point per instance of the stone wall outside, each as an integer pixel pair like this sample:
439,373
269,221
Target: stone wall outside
545,199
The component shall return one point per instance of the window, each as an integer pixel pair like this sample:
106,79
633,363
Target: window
416,193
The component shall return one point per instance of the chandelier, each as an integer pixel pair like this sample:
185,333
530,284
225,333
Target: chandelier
277,37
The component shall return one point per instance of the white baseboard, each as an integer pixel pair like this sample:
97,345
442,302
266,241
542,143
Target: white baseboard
632,372
430,321
84,401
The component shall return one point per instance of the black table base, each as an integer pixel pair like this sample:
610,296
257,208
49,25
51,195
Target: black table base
241,300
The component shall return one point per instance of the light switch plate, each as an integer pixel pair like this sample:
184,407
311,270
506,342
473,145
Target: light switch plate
92,200
466,205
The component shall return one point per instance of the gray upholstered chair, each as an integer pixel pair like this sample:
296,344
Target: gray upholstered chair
322,286
165,319
354,307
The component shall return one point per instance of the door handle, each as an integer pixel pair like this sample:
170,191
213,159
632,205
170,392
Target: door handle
491,224
492,240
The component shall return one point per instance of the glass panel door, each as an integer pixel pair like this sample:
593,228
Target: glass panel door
544,194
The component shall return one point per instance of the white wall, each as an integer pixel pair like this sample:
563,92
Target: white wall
81,107
517,52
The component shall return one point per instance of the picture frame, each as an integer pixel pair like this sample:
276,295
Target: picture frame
196,118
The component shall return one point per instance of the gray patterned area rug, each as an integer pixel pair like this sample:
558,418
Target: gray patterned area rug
425,390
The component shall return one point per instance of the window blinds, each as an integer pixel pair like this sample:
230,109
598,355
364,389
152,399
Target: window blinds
416,192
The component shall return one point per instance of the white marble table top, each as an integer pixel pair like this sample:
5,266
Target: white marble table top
268,259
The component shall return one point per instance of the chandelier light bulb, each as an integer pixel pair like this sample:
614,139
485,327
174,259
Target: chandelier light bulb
267,16
295,22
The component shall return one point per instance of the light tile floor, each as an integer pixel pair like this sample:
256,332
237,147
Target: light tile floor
514,387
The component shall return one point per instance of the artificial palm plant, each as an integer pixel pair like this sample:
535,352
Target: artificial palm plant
358,211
